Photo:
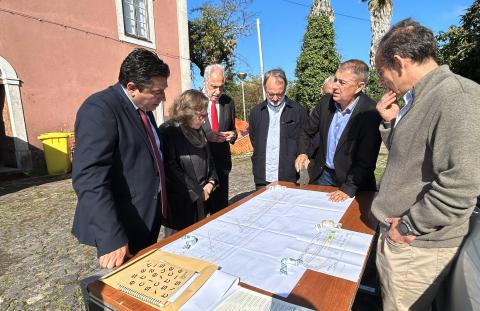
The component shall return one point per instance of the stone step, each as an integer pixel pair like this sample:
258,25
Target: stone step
10,173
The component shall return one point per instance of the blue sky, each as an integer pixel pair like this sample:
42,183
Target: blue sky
283,24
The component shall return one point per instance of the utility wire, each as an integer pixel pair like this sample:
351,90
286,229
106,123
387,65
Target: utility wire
336,13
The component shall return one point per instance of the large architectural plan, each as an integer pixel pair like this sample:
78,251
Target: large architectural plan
270,240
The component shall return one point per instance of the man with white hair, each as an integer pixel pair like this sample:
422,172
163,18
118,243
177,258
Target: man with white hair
221,132
327,87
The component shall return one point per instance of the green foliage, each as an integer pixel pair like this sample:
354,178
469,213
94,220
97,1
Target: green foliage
292,88
374,89
253,94
213,33
318,59
460,46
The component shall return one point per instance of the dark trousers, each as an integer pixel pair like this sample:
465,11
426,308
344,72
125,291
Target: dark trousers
219,197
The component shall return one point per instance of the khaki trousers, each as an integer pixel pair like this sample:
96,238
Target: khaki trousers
410,276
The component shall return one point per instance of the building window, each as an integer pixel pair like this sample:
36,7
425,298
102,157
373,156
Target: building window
135,18
136,22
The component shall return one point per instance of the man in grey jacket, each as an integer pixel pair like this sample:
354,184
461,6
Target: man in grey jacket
432,178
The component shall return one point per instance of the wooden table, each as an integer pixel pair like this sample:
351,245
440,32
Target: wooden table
314,290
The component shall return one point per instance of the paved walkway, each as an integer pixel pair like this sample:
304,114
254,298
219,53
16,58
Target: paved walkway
41,263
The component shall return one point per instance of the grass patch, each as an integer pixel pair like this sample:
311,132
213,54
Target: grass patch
381,163
378,174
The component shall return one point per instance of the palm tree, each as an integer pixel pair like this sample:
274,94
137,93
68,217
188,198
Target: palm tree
323,7
380,17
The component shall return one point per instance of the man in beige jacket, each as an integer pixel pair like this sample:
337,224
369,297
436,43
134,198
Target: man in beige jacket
432,179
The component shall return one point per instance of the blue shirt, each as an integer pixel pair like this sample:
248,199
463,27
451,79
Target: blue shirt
408,98
273,141
339,121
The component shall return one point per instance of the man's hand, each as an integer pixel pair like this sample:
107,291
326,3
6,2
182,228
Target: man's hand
387,107
228,136
115,258
301,161
215,137
207,190
395,234
337,196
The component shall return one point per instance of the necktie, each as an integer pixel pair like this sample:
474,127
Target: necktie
158,160
214,116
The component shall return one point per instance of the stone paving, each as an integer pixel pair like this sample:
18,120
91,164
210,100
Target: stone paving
41,263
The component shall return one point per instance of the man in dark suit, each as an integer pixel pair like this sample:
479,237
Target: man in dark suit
347,122
118,172
274,127
221,132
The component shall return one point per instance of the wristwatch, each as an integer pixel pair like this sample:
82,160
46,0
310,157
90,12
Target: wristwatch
405,228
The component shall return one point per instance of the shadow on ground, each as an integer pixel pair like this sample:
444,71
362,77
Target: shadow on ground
17,184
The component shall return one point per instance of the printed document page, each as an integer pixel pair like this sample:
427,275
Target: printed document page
247,300
218,286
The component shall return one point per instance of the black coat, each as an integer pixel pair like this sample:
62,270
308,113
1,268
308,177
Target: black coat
291,121
226,122
183,189
114,175
357,149
221,152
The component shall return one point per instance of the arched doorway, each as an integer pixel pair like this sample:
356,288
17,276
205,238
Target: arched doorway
14,148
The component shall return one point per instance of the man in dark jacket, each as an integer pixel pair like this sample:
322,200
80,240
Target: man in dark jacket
347,122
275,125
220,130
118,171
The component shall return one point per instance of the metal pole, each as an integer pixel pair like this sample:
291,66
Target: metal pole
244,110
260,53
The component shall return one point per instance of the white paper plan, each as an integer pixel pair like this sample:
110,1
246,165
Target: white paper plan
248,300
270,240
333,251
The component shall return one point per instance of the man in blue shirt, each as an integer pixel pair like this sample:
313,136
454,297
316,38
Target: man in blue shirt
275,125
347,123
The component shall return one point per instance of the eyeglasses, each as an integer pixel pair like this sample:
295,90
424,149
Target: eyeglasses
342,82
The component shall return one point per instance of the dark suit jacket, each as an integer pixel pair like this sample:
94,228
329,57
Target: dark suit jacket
182,184
226,122
114,175
357,149
291,121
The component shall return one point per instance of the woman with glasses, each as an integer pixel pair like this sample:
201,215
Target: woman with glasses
189,169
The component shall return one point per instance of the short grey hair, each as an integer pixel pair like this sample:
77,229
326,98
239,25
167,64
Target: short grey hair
328,80
209,68
357,67
277,74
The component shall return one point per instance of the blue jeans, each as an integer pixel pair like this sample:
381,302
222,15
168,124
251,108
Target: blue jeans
327,178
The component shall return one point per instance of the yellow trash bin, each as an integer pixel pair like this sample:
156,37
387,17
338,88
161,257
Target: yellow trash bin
57,153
